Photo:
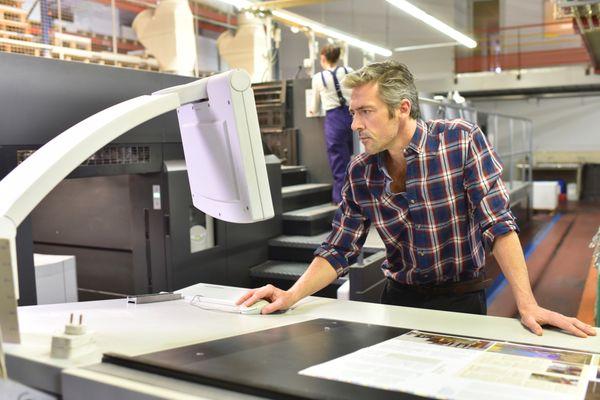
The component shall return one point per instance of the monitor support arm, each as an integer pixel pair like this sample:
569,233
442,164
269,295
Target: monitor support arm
27,185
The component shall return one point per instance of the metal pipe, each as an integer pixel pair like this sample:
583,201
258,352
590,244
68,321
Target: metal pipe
46,21
216,23
59,10
114,26
196,17
213,22
35,3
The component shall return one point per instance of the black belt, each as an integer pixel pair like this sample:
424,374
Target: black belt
473,285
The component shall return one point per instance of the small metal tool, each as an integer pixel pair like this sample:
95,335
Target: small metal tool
154,297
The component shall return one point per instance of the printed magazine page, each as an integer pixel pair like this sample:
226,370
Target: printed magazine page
451,367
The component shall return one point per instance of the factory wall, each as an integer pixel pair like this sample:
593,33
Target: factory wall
430,64
437,63
294,49
519,12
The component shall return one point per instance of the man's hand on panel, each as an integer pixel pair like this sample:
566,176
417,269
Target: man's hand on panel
534,316
279,299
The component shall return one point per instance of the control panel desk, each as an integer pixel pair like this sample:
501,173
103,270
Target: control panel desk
133,330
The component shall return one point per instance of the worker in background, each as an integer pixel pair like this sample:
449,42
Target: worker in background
434,192
338,132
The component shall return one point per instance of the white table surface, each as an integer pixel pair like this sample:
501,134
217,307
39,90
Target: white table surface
132,329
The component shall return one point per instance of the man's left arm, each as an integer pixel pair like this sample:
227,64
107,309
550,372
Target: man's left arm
490,205
508,252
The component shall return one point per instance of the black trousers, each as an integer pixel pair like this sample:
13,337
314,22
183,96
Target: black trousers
470,303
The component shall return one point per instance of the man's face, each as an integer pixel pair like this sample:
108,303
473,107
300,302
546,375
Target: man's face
371,119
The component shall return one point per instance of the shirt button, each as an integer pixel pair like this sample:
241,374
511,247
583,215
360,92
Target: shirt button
412,201
418,226
421,253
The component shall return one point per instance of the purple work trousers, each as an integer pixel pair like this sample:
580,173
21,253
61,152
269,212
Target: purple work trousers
338,137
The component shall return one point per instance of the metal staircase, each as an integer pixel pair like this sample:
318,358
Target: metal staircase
586,20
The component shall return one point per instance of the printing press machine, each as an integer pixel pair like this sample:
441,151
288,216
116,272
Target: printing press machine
126,213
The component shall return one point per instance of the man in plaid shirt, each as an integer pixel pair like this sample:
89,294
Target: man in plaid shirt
434,192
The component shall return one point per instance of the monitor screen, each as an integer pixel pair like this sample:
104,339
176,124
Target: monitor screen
223,151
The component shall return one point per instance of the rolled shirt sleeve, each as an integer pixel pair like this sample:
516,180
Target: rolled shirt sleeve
349,232
488,198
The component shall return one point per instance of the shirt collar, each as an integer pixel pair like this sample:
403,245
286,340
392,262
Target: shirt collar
417,143
381,164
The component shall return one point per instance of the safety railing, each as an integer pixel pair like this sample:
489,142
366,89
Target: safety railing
524,46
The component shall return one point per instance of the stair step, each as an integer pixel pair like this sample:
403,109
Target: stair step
310,213
316,240
298,248
290,169
295,190
293,175
273,269
305,195
309,221
298,240
295,248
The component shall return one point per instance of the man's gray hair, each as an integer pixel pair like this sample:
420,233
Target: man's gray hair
394,82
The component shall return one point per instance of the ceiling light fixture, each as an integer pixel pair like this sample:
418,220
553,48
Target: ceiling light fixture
330,32
433,22
317,27
425,46
239,4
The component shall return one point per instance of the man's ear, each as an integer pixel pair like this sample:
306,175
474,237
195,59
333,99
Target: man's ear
403,110
405,107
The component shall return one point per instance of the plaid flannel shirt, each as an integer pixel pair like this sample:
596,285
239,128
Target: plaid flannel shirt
455,204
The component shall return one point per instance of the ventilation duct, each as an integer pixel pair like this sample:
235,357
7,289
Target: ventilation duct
248,48
167,33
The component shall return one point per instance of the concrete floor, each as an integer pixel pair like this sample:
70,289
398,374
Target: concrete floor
559,264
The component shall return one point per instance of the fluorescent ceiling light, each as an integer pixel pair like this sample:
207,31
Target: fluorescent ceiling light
318,28
425,46
239,4
433,22
333,33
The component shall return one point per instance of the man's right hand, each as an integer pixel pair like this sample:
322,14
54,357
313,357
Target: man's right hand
279,299
318,275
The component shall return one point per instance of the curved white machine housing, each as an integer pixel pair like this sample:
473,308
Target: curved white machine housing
222,146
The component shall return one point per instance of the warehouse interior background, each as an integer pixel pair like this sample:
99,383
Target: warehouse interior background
117,261
532,82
